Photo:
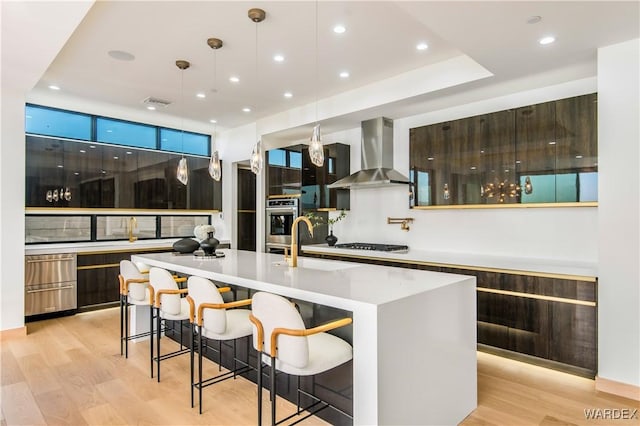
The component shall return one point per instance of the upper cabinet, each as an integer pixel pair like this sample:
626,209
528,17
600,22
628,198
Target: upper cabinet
86,161
543,153
64,173
290,172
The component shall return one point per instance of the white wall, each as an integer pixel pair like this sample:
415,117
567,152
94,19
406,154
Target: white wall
558,233
32,34
619,213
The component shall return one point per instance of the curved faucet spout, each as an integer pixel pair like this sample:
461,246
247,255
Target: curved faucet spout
294,237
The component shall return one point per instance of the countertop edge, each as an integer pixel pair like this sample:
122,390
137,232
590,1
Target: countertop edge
519,266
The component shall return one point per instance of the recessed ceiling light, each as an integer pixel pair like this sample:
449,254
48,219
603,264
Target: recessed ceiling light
339,29
547,40
288,94
234,79
344,74
578,156
201,95
278,58
109,131
552,143
76,173
129,152
246,109
482,151
82,151
213,121
422,46
54,87
92,146
518,161
506,170
115,157
430,158
60,166
121,55
151,108
104,172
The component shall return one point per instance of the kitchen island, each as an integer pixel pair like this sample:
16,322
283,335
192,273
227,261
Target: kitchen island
414,332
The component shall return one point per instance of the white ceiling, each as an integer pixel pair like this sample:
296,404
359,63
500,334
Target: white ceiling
379,43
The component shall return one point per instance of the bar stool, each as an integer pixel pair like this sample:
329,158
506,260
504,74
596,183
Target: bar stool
134,290
168,306
280,336
212,318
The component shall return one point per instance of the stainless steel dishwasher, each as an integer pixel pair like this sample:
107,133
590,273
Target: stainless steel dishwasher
50,283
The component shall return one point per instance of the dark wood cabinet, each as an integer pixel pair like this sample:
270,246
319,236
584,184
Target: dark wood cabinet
104,176
97,277
534,317
542,153
246,219
290,172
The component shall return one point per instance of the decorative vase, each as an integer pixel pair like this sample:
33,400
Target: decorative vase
331,239
209,244
186,245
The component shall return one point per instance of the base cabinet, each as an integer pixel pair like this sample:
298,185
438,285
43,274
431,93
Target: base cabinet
551,321
98,285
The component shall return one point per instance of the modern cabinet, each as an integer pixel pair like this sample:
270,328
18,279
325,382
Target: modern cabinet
540,318
98,285
542,153
290,172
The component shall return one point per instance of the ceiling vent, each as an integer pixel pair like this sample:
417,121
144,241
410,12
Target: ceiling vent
156,102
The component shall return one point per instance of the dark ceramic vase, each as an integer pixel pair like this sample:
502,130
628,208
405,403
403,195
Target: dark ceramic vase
209,244
186,245
331,239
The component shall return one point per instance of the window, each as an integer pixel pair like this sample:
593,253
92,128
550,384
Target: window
54,122
184,142
125,133
295,160
278,157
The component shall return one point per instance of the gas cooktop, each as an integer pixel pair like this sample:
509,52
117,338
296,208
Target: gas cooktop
375,247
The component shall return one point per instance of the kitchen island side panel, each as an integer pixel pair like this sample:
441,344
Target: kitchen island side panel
427,357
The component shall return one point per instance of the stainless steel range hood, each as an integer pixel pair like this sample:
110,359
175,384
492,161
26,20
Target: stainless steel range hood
377,158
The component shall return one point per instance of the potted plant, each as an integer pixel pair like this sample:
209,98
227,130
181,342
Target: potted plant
317,220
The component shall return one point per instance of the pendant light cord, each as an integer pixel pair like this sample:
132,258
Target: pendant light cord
183,110
317,72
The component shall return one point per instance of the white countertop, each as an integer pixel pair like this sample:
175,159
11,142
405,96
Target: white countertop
397,312
52,248
328,282
472,260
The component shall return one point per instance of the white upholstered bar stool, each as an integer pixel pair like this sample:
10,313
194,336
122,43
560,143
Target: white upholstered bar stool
168,306
213,319
134,290
281,337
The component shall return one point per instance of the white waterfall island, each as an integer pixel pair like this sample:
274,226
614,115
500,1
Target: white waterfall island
414,332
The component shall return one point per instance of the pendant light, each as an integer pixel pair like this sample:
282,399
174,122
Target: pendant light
257,16
182,174
316,150
215,170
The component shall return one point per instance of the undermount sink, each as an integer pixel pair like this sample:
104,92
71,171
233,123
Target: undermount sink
318,264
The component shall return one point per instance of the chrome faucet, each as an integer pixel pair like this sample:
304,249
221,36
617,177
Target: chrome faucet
294,238
132,224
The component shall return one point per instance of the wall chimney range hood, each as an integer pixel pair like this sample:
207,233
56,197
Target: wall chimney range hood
377,158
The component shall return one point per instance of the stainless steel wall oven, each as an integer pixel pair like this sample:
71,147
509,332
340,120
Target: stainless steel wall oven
281,212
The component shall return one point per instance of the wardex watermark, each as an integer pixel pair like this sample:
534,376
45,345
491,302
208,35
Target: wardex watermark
611,413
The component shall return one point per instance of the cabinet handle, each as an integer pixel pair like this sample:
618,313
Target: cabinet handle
67,287
63,259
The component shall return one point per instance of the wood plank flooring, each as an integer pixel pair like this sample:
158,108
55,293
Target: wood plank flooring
68,371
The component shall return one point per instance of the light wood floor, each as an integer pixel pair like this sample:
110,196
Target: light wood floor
69,371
